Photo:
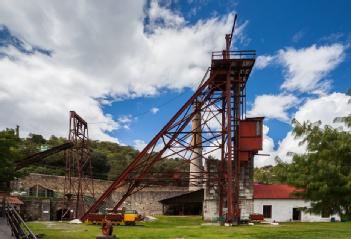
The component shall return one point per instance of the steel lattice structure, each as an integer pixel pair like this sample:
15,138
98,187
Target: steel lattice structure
220,102
79,186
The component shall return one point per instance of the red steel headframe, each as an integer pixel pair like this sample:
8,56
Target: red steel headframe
78,178
220,100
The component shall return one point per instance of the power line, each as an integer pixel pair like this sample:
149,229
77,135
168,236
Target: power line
147,111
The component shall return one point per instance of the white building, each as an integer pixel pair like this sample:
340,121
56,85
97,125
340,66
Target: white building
277,203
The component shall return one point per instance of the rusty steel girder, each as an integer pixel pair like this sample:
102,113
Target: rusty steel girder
220,104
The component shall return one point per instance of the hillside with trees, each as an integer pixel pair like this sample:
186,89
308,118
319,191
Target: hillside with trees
108,159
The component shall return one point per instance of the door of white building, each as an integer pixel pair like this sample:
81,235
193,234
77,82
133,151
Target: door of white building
296,214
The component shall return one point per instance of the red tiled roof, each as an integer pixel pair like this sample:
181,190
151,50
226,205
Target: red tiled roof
274,191
14,200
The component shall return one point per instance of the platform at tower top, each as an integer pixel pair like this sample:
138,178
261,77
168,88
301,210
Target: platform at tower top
238,64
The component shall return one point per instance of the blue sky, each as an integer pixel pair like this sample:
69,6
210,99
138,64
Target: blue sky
272,25
127,68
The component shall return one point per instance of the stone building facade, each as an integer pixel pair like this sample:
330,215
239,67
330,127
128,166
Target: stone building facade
43,196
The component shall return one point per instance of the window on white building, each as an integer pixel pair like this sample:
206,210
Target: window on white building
267,211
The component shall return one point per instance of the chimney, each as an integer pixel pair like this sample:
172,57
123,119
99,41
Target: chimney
196,165
17,131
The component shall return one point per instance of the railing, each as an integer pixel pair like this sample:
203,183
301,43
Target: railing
19,228
244,54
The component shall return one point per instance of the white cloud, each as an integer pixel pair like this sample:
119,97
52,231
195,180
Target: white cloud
325,109
37,95
139,144
125,121
100,51
154,110
267,148
163,16
290,146
273,106
286,148
307,68
263,61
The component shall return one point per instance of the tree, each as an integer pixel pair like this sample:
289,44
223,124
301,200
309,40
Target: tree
99,164
108,159
264,175
8,153
271,174
324,171
36,139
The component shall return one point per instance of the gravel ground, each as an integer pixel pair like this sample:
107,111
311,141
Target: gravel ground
5,231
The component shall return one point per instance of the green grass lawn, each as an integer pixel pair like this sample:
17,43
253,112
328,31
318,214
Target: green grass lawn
191,227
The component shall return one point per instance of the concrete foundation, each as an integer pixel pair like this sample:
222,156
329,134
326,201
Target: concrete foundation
211,197
210,204
210,210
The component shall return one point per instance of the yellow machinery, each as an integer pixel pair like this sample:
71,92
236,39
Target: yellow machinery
130,217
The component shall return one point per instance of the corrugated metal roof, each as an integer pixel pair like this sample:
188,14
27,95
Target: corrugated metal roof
274,191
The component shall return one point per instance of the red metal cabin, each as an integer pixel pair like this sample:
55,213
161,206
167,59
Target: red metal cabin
250,137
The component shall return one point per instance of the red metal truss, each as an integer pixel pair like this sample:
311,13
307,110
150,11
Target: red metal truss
79,187
173,141
220,100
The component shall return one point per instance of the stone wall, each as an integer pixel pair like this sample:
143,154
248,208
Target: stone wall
31,209
52,182
145,201
40,209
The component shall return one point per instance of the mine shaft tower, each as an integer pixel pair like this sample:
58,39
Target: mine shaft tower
210,126
79,185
